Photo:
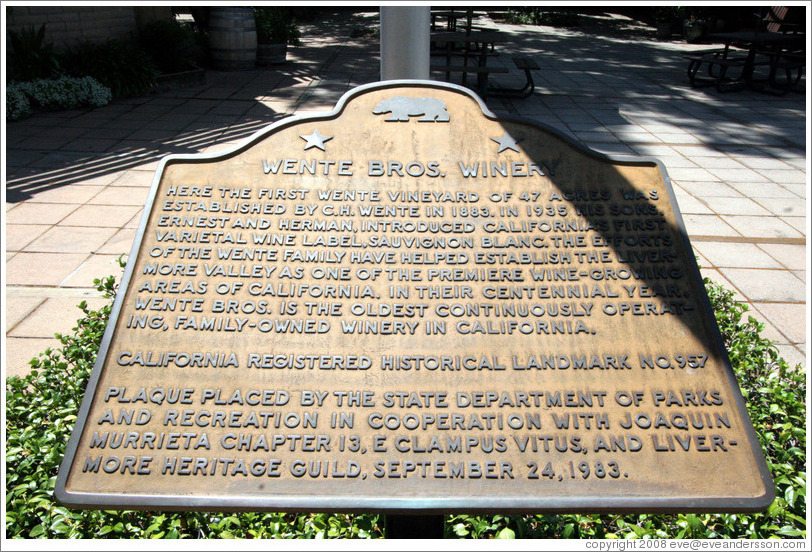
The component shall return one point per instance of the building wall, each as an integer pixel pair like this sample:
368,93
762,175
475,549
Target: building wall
68,25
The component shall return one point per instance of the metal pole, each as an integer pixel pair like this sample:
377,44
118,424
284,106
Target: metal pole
414,527
405,55
405,42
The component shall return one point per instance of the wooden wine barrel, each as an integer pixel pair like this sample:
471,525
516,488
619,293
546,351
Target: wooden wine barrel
233,38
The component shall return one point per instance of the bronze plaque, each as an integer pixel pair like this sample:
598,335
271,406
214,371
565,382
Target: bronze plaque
407,304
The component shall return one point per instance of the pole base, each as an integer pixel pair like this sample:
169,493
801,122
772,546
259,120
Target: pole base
414,527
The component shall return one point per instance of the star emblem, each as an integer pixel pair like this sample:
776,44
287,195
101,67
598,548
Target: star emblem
506,142
315,140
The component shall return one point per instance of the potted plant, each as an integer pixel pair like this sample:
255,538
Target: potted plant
667,19
696,25
174,50
276,28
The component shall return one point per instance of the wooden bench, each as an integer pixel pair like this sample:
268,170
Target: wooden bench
779,19
451,17
787,62
776,36
785,58
469,69
527,65
481,71
717,63
473,48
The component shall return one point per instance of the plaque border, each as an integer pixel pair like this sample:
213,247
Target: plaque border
393,504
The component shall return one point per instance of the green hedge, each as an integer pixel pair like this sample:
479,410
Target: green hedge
41,410
53,95
120,65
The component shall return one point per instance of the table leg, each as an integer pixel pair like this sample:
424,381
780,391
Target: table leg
482,78
749,66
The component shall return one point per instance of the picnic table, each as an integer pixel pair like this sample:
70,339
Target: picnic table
475,48
746,51
451,17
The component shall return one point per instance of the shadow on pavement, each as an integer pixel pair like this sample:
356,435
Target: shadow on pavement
631,78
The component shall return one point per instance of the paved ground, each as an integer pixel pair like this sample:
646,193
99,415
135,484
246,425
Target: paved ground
76,181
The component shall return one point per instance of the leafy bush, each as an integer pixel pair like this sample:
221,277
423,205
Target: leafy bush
17,104
171,46
30,56
41,410
67,92
276,25
542,16
40,413
121,66
54,94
